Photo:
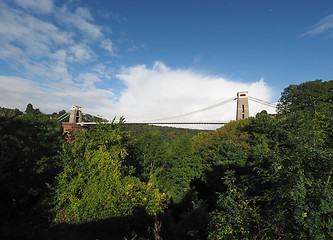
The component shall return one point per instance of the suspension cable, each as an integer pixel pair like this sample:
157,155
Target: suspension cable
269,105
194,112
98,116
189,113
262,102
62,117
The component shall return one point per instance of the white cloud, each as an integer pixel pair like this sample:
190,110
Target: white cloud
135,47
25,39
18,92
8,51
69,30
116,16
81,52
88,80
46,49
49,97
20,26
325,25
101,71
43,6
162,92
108,45
81,20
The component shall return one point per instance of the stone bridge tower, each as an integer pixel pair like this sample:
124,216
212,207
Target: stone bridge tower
242,105
75,115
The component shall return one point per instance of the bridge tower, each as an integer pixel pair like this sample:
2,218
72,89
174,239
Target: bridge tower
75,115
242,105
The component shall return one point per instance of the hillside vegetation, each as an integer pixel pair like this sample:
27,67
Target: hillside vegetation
266,177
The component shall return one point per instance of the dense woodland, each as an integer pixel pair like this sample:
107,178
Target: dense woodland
266,177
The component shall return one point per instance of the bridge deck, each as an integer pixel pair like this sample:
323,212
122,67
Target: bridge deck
161,123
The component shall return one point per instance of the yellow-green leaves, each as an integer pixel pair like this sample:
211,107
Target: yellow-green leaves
93,185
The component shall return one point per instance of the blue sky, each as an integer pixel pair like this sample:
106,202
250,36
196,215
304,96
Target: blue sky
150,59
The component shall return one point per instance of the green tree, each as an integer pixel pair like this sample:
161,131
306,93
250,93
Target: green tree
283,188
30,109
306,159
7,112
182,167
237,214
28,153
243,181
225,145
150,153
95,184
308,97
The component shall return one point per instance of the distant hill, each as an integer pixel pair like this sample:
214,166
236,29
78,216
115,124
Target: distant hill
169,133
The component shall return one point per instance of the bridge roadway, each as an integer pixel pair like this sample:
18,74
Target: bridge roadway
155,123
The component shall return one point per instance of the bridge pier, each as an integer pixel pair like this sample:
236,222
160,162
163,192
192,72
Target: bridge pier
242,106
74,118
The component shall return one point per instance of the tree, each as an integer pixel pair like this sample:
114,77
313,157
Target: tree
225,145
283,188
237,214
94,184
30,109
28,153
7,112
242,179
308,97
305,165
151,149
182,167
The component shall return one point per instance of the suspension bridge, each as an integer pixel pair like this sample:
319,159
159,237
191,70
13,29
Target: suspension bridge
242,98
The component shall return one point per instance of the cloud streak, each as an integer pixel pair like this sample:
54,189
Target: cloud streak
325,25
43,6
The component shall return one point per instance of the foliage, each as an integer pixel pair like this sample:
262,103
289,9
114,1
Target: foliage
28,153
169,134
237,214
282,188
30,109
225,145
94,184
305,165
313,96
7,112
151,149
170,165
182,167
